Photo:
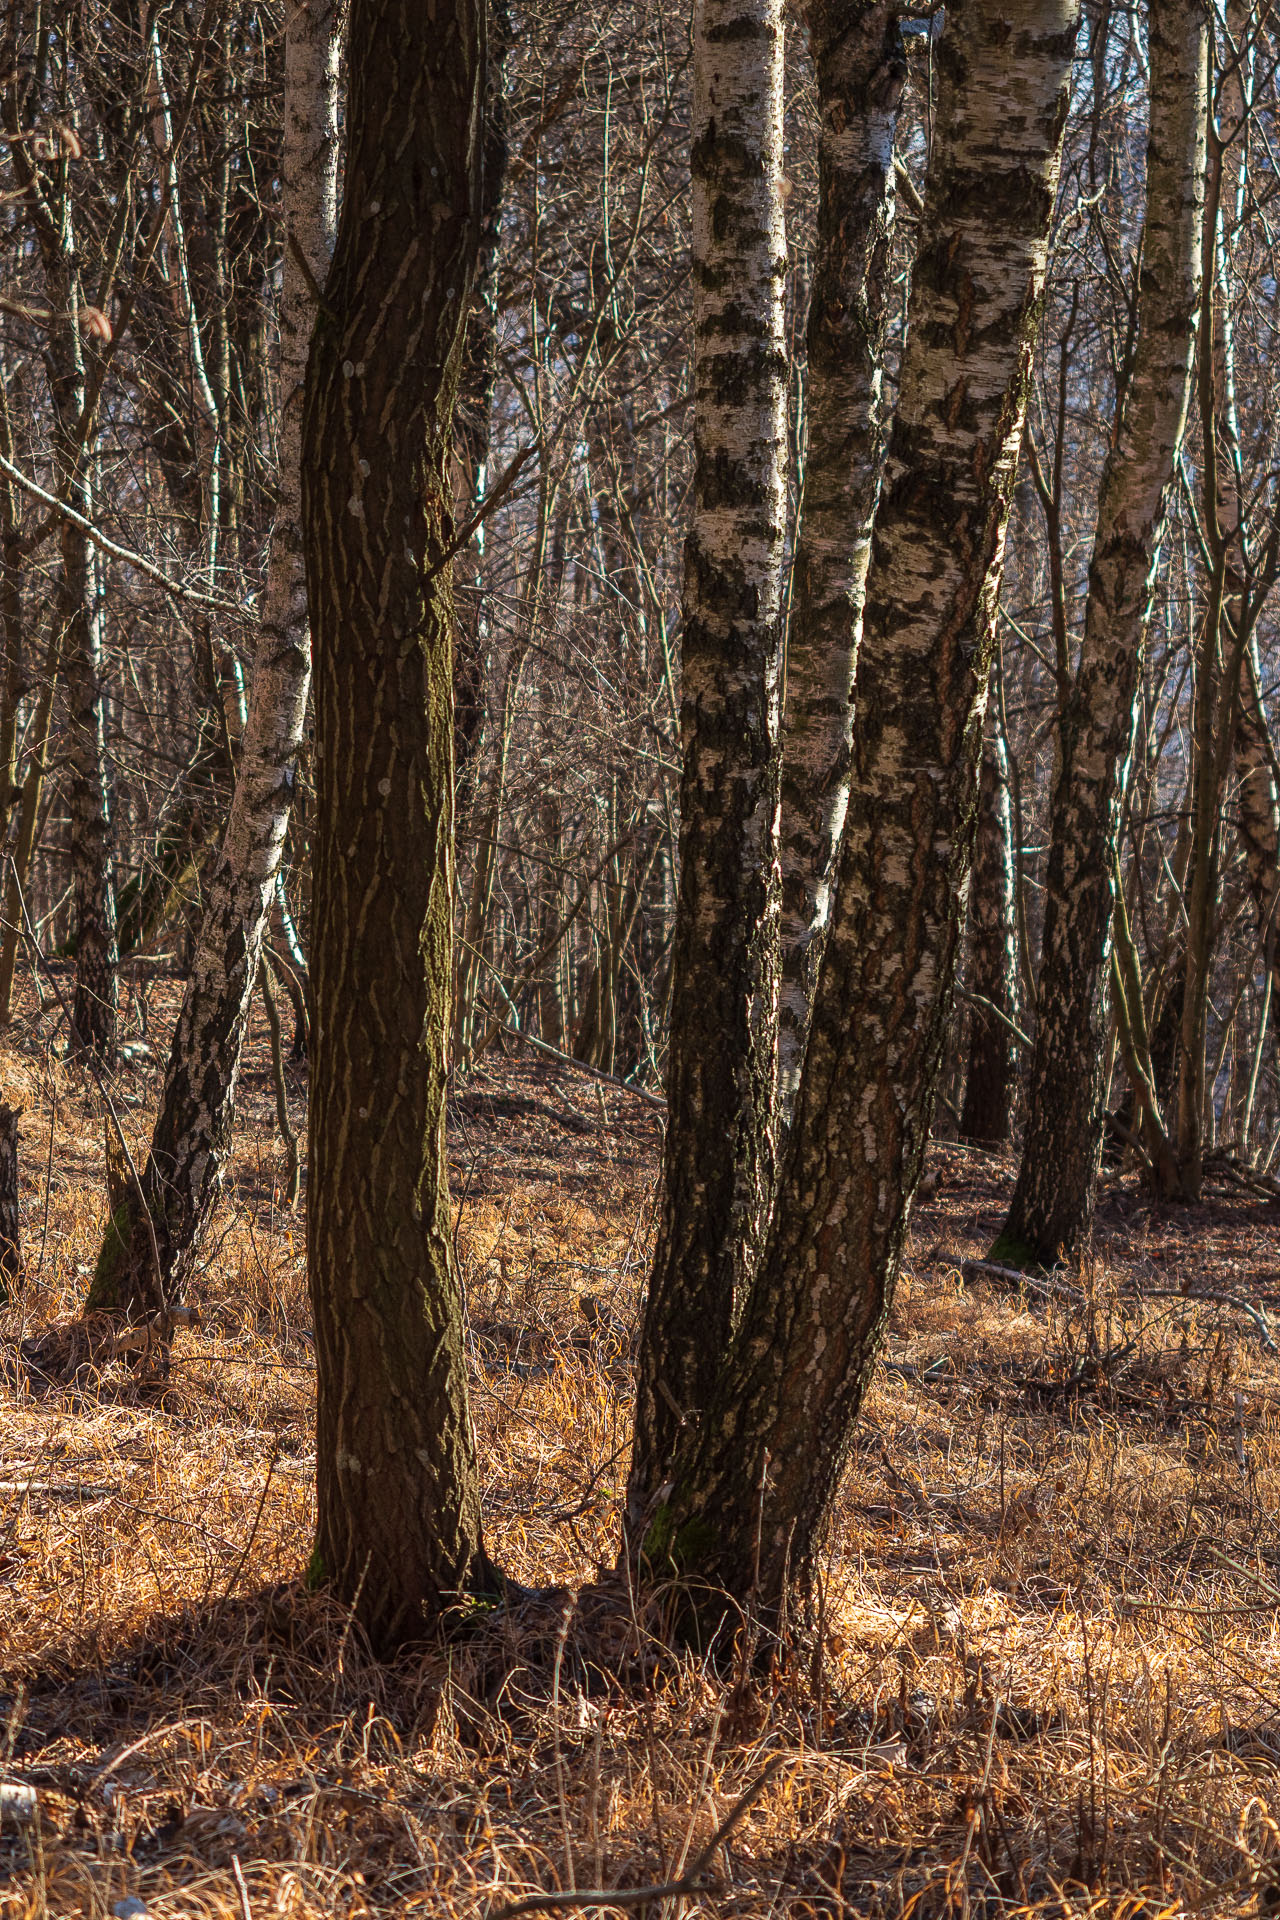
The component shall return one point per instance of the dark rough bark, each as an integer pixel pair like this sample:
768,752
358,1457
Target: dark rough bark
10,1218
993,973
398,1524
751,1490
1051,1213
861,71
720,1084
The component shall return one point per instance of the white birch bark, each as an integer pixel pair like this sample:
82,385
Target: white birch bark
721,1076
1052,1207
857,52
751,1487
193,1128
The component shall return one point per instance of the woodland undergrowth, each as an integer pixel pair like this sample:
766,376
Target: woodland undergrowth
1043,1671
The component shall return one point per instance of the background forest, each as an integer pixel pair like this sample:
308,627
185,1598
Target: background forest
698,1120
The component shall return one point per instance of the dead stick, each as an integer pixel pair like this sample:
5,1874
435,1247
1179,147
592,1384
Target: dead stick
689,1883
29,935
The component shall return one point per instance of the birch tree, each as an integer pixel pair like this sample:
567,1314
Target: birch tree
718,1166
858,58
751,1487
193,1131
45,189
1051,1212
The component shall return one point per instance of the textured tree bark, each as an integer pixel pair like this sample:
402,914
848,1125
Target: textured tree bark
1051,1213
720,1086
991,1077
752,1488
398,1522
857,52
193,1131
10,1216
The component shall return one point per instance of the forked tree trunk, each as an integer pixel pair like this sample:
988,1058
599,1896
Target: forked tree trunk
1051,1213
857,53
720,1083
752,1487
398,1522
993,974
193,1131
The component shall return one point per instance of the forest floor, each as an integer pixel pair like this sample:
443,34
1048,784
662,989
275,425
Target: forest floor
1046,1676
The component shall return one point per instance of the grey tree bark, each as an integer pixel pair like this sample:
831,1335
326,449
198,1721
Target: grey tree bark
751,1488
1051,1213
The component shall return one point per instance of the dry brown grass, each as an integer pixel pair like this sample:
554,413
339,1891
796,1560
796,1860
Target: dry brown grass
1050,1677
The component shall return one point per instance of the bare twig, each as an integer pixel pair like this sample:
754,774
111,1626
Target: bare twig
117,552
28,933
580,1066
692,1882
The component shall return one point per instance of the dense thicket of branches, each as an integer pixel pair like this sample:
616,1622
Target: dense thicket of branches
158,271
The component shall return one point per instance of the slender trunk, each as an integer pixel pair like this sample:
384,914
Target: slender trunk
472,429
192,1136
993,973
17,877
1258,819
10,1213
857,51
752,1488
1222,643
1051,1212
720,1082
398,1521
96,1001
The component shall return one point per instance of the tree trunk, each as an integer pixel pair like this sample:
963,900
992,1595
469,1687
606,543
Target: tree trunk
1051,1213
993,976
1258,820
720,1082
10,1218
472,426
398,1524
752,1487
193,1130
857,52
96,1002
